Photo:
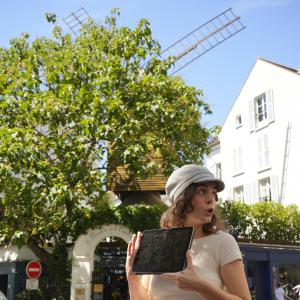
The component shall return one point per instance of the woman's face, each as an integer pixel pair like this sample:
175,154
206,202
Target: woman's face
204,204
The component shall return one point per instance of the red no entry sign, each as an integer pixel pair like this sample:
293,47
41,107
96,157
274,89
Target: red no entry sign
33,269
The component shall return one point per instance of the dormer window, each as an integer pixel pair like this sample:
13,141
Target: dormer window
261,108
261,111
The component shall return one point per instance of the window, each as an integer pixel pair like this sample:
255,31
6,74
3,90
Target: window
286,272
238,121
237,161
261,108
238,193
263,152
219,171
264,189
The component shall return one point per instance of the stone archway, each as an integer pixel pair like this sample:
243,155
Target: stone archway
83,257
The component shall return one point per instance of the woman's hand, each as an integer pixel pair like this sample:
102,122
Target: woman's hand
136,289
132,248
188,279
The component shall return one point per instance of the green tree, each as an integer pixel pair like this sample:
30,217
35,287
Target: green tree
263,221
66,105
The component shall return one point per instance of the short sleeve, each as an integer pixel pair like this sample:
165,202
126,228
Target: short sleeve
229,250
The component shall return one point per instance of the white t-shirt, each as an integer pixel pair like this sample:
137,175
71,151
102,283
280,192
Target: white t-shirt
209,254
279,294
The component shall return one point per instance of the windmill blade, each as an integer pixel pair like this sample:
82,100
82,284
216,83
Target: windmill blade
202,39
76,20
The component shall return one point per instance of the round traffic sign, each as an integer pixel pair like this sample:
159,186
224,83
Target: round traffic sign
34,269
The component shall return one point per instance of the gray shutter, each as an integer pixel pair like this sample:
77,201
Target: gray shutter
260,152
251,115
274,188
255,196
234,156
266,150
247,194
240,159
270,106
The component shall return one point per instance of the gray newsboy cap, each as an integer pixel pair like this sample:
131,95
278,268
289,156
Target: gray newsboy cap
183,177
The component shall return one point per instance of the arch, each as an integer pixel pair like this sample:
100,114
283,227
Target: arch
83,257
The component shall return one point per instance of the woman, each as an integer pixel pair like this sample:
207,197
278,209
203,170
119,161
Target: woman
214,263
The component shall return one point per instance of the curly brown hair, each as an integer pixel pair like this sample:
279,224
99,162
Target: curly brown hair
175,215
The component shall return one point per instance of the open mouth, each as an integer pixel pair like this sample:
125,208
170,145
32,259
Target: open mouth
210,210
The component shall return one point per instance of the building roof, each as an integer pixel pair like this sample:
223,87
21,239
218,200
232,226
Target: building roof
280,66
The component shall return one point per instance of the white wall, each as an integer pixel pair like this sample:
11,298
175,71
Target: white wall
13,253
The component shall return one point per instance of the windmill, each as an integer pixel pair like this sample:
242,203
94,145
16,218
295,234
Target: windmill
188,48
185,51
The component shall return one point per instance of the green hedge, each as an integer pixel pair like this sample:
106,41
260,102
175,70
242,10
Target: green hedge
136,217
140,217
262,221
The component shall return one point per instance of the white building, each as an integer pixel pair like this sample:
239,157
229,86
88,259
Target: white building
258,152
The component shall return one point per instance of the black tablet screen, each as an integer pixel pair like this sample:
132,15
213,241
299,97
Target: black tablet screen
163,250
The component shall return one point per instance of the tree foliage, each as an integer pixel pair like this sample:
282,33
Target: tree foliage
66,106
263,221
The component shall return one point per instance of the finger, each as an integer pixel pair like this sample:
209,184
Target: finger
129,248
131,244
189,258
138,240
133,240
172,276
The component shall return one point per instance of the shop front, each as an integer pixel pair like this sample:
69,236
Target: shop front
266,265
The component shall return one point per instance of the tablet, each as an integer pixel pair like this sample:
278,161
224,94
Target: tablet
163,250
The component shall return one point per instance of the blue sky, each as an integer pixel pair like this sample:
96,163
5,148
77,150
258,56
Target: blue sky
272,32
